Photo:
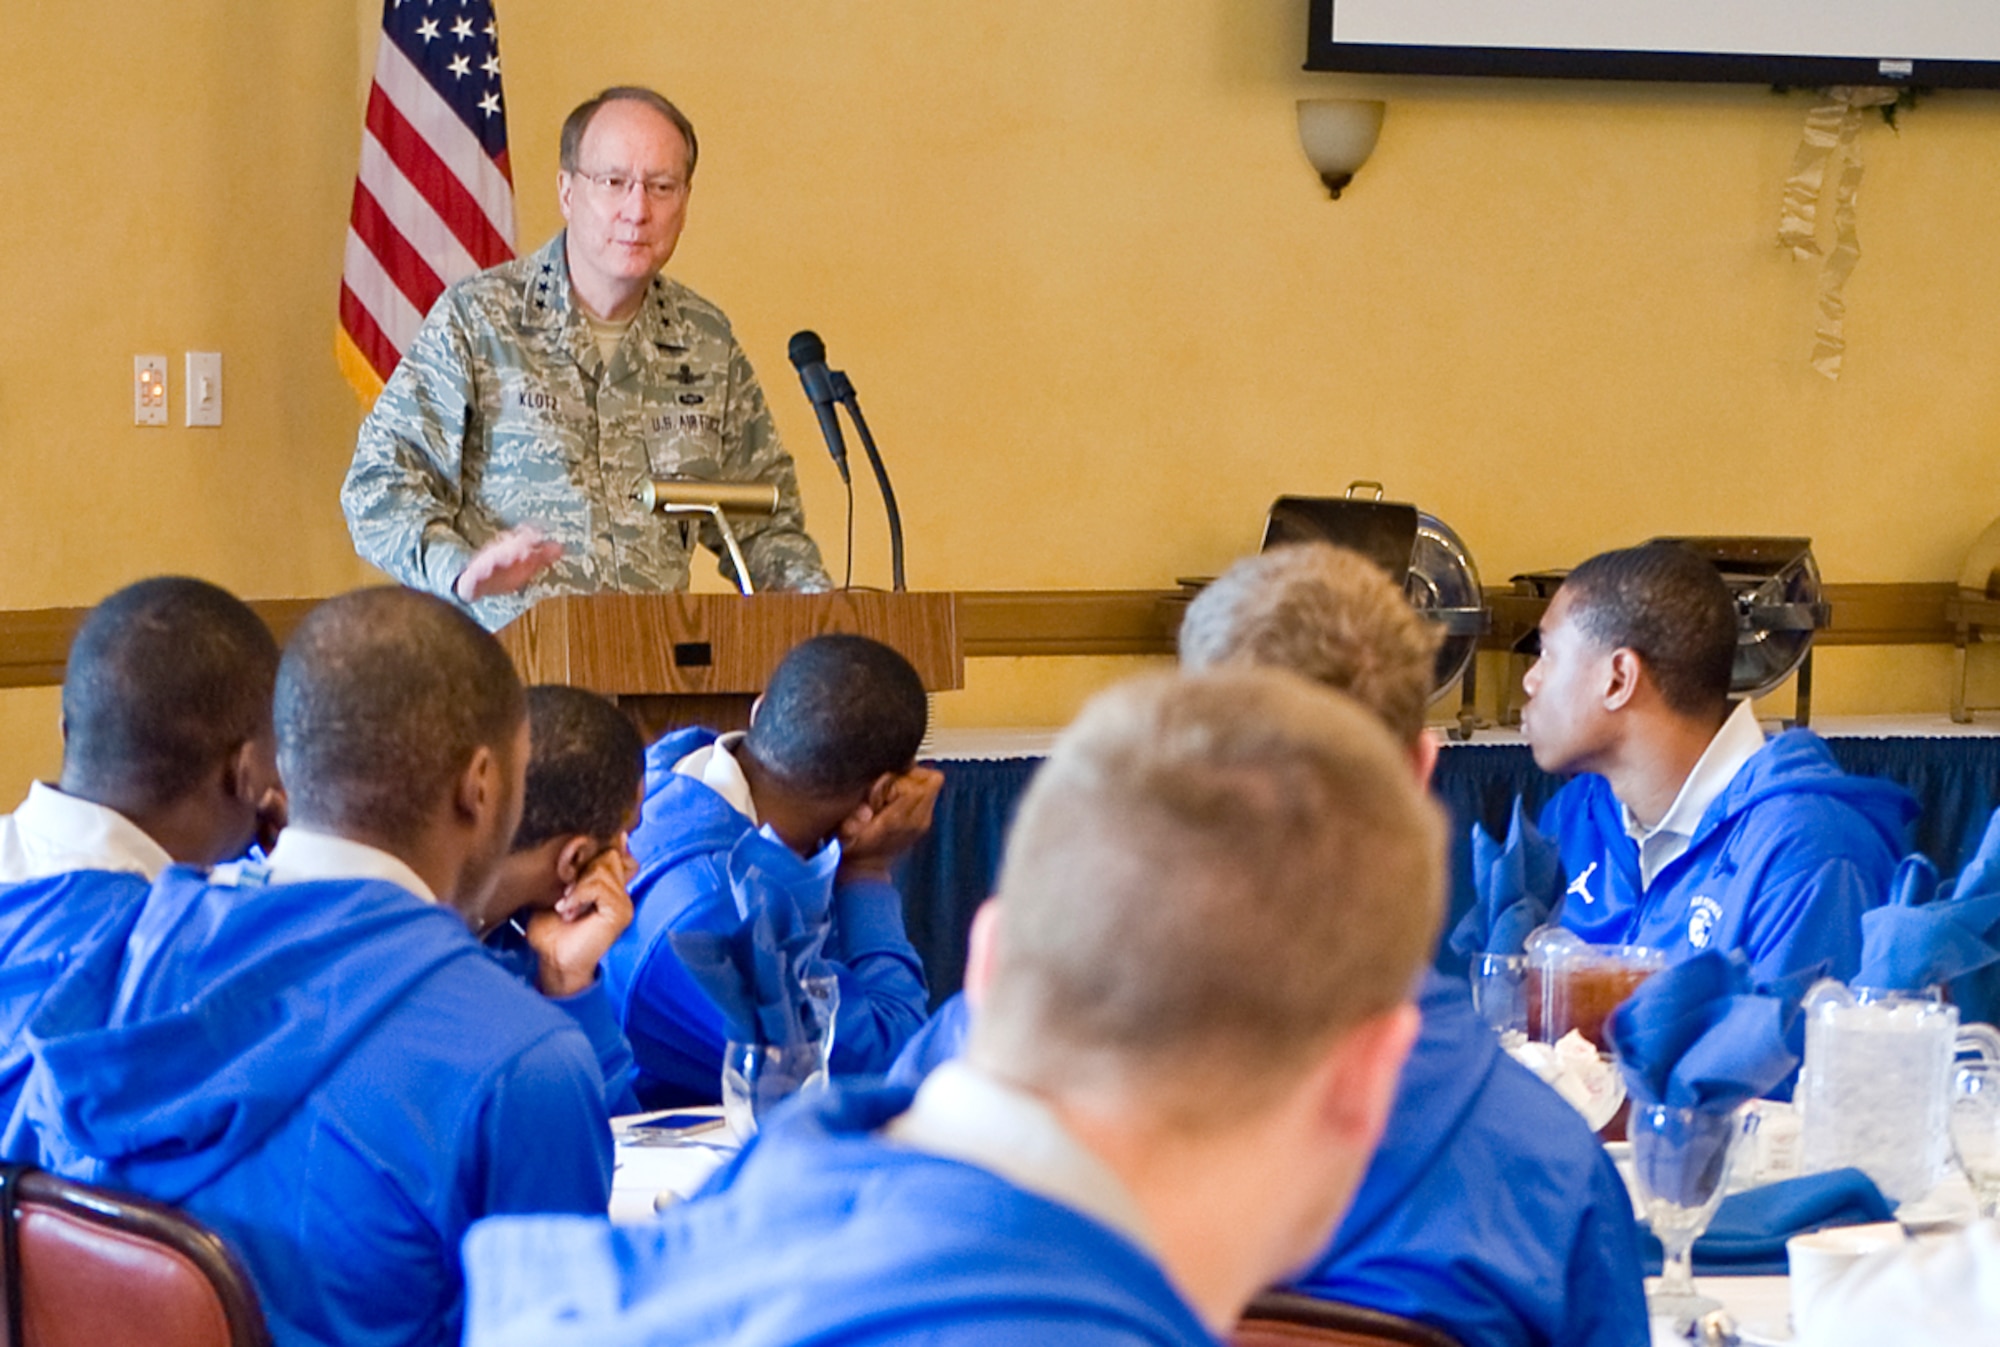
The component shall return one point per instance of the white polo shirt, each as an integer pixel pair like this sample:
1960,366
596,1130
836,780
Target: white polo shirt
57,834
715,766
962,1113
1734,745
303,855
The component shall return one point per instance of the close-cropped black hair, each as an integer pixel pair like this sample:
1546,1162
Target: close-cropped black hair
166,678
1671,608
383,697
839,712
585,762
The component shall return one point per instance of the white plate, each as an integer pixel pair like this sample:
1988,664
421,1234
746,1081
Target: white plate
1948,1206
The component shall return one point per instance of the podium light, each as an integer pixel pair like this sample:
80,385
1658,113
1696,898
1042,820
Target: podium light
714,501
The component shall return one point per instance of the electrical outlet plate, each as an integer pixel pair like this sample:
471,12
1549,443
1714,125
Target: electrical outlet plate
203,389
149,390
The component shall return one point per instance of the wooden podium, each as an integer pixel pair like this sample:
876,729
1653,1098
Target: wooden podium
701,659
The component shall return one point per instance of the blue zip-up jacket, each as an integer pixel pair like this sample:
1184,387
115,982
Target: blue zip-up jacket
1489,1211
940,1040
333,1075
45,925
590,1009
1781,866
820,1232
685,835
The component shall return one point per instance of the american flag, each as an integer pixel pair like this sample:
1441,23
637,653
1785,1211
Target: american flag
434,198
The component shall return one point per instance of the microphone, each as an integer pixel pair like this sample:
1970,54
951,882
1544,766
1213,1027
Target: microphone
808,354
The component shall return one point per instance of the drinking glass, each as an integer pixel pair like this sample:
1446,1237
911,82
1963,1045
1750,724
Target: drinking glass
1680,1161
1500,994
1575,985
1975,1130
757,1077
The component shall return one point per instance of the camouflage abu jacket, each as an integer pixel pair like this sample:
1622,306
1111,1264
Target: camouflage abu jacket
501,413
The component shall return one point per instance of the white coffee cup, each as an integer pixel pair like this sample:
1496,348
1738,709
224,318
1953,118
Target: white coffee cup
1818,1260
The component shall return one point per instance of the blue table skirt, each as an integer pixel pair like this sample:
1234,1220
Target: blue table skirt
1957,780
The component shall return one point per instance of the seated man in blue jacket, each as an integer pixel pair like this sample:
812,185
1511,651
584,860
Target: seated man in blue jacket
564,878
828,769
316,1058
1685,829
1490,1211
167,756
1195,979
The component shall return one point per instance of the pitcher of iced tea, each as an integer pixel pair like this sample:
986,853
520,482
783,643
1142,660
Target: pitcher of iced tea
1874,1092
1573,984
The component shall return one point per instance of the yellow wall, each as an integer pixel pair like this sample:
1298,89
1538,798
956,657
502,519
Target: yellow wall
1097,305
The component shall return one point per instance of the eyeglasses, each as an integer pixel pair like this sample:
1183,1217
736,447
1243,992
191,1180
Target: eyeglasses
613,186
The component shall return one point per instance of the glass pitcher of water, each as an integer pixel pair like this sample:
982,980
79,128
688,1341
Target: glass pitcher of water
1875,1091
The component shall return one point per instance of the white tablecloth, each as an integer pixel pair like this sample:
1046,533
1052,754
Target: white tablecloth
1761,1306
648,1177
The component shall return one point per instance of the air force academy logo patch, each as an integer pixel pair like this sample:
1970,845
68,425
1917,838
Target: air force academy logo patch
1703,914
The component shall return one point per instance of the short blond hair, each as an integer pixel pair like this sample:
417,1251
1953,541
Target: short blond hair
1326,613
1210,879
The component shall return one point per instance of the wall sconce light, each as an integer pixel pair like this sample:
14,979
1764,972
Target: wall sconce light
1338,134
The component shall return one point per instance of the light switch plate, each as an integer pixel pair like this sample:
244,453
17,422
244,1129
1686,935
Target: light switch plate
204,388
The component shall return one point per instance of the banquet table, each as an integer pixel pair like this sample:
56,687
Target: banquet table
1953,770
651,1172
1761,1307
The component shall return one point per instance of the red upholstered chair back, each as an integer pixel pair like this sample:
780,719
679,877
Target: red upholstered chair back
86,1267
1280,1319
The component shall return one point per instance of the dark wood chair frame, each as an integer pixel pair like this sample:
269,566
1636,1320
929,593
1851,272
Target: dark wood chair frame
24,1186
1334,1317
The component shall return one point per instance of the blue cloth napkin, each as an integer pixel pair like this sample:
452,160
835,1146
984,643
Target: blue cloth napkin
1747,1236
1940,935
756,971
1699,1036
1518,885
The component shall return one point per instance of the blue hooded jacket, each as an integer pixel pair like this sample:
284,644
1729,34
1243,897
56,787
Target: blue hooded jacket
1781,866
821,1233
942,1039
683,843
45,925
1489,1211
333,1076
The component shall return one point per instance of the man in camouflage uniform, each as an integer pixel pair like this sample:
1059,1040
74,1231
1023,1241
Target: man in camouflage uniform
501,463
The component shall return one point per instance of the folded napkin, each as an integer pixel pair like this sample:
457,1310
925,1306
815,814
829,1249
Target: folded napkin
1699,1036
1940,935
757,971
1518,884
1747,1236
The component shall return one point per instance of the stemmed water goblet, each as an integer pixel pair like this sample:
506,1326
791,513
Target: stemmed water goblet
1500,994
757,1077
1975,1130
1681,1159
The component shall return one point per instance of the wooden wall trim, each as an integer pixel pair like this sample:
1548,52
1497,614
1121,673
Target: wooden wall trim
1884,614
1899,614
34,642
1055,622
1069,621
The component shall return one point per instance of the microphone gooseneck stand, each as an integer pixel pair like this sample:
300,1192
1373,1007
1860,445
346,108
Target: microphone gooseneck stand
844,393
